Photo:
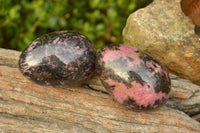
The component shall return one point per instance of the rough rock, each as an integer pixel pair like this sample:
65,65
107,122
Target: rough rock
162,30
191,8
28,107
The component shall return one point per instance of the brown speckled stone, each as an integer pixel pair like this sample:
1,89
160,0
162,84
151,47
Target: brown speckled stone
162,30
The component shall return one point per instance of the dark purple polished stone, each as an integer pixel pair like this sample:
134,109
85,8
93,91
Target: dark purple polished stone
132,77
62,58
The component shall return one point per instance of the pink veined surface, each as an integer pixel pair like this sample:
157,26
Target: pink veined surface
124,52
157,68
142,95
33,45
56,41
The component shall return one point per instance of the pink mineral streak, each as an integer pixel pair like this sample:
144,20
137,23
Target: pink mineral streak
123,52
142,95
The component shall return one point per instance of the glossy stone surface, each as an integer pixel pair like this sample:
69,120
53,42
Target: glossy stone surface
132,77
64,58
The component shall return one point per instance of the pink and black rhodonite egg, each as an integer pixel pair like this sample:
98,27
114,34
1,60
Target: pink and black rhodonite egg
62,58
132,77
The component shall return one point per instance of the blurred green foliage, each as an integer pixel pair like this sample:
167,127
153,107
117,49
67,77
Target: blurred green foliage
102,21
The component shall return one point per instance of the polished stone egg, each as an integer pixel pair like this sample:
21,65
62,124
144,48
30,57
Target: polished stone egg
63,58
132,77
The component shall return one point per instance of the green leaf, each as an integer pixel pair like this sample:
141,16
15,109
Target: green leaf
14,12
52,21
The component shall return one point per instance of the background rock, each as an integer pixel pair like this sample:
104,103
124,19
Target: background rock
162,30
191,8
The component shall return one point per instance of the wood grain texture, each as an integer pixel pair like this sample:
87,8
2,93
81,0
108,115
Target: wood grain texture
27,107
